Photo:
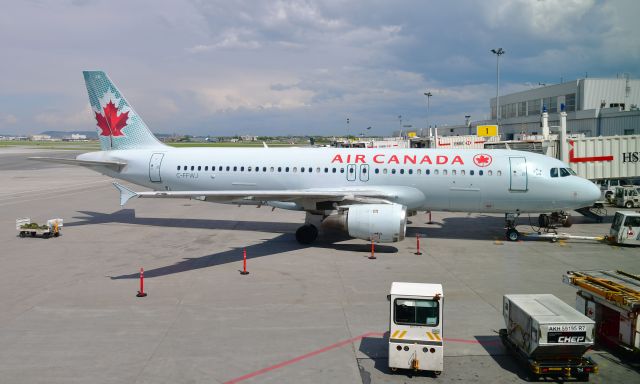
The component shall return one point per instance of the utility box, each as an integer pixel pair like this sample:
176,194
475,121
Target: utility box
625,228
416,340
548,334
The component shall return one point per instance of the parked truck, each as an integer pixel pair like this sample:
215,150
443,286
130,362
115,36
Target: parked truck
548,336
612,300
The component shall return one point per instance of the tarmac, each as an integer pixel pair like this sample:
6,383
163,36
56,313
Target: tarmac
319,314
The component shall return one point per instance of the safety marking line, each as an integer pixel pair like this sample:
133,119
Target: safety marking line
334,346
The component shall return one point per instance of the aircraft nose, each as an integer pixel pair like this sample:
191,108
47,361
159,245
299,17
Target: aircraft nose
591,192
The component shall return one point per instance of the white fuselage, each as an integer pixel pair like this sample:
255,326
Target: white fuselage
426,179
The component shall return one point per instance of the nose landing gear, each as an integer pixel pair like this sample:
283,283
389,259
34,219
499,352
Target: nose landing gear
510,225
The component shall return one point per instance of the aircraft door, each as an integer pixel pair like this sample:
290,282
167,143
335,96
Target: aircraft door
154,167
351,172
364,172
518,174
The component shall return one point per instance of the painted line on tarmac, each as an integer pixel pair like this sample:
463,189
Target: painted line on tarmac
334,346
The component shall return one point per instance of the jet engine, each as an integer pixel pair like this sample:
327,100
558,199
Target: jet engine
384,223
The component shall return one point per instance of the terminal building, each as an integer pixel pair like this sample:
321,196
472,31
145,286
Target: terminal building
595,107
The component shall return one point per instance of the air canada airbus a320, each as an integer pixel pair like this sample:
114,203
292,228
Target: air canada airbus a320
366,192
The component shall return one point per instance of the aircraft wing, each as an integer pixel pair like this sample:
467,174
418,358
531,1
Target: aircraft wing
115,165
343,195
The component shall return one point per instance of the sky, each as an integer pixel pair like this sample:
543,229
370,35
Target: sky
299,67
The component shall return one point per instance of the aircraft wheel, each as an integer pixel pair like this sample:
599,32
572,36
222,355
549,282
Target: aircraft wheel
307,234
567,222
23,234
543,220
438,373
513,234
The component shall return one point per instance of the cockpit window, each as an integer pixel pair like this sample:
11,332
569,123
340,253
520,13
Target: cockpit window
564,172
554,172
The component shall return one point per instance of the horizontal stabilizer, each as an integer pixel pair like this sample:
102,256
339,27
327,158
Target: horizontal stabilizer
115,165
125,193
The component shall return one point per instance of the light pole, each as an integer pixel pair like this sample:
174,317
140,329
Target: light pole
400,118
498,52
428,94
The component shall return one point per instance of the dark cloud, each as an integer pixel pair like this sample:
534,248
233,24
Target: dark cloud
277,67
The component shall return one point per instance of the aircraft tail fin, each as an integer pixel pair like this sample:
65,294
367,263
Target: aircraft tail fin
118,125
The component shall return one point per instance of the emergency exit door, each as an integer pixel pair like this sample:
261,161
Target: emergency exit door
518,174
154,167
358,173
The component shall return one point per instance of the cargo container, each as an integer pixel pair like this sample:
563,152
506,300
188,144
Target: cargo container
548,335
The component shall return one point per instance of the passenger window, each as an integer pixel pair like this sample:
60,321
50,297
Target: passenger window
318,169
444,172
419,171
279,169
192,167
453,172
427,172
334,170
178,167
471,172
402,171
364,170
185,167
326,170
462,172
384,171
241,169
249,169
199,168
377,171
235,169
393,171
554,172
411,171
264,169
206,167
286,169
499,173
220,168
341,170
489,172
271,169
435,171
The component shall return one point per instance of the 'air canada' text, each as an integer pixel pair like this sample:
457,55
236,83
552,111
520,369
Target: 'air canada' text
398,159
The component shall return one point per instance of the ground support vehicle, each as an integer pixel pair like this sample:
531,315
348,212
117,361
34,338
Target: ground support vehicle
627,196
416,340
612,300
625,228
548,336
25,228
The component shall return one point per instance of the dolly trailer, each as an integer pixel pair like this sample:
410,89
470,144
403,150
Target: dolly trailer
415,327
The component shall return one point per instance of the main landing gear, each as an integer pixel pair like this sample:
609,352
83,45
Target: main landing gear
307,234
510,224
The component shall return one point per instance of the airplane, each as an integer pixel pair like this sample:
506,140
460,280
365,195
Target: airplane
367,193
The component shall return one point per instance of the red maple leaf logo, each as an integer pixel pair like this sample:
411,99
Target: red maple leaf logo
482,160
112,124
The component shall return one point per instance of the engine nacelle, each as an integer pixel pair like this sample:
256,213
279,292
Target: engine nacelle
384,223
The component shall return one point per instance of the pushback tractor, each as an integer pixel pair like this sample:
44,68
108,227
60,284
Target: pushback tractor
416,340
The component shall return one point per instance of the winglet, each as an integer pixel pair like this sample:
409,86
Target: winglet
125,193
